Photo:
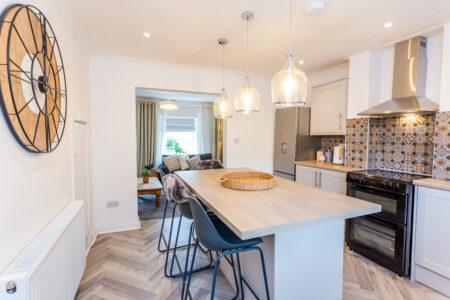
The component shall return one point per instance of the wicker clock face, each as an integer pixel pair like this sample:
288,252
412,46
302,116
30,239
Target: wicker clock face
33,93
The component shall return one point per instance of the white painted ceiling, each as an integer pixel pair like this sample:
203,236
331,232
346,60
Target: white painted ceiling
186,32
175,95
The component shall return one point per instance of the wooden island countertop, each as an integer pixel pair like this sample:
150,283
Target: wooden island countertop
289,205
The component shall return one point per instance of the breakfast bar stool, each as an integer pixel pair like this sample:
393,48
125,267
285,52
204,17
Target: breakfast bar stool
177,192
216,236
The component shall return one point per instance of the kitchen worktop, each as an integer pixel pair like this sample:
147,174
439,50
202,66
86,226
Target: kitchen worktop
286,206
326,166
433,183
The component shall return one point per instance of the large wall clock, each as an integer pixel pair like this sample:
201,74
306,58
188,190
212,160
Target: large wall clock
33,93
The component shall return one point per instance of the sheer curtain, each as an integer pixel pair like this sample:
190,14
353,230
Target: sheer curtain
205,130
161,125
146,128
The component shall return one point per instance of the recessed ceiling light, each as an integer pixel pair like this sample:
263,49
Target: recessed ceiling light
301,62
316,7
147,34
388,25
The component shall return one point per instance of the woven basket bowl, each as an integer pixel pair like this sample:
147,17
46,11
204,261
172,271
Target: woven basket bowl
247,180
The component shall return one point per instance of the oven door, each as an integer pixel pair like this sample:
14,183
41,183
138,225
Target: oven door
393,205
383,242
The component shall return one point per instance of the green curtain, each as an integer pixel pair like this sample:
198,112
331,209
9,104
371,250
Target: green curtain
218,139
146,133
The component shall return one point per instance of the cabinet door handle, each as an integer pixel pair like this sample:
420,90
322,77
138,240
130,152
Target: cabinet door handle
340,121
315,178
320,179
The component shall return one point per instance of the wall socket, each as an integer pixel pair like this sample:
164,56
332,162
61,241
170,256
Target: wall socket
236,140
112,204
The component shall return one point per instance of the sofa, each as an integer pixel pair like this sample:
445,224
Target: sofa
163,168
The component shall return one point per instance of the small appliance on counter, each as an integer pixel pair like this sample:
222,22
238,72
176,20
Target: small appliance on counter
329,156
338,157
320,156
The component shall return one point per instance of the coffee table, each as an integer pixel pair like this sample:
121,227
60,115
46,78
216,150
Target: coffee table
152,187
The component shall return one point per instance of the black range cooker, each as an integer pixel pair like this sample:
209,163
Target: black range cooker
384,237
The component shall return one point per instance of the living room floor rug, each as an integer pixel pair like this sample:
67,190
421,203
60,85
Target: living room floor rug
147,209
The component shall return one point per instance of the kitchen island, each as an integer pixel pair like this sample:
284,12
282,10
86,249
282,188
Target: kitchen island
302,228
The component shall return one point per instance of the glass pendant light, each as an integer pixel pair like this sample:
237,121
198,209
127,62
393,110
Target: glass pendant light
223,106
246,100
289,85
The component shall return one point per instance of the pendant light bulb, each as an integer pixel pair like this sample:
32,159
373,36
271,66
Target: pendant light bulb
223,106
246,100
290,84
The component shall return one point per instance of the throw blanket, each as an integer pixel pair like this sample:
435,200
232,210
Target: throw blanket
209,164
175,190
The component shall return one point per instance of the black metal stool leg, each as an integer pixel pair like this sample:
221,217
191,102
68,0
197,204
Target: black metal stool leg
174,249
235,278
190,272
187,260
162,228
216,268
240,275
264,272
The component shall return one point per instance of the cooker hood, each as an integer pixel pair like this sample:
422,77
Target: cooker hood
409,82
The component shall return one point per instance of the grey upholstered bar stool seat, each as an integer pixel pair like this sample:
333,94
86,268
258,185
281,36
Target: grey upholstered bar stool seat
216,236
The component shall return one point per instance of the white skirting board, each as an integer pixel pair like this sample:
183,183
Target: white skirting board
51,267
116,227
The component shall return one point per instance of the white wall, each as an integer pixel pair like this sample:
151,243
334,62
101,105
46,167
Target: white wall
358,83
36,187
445,75
248,138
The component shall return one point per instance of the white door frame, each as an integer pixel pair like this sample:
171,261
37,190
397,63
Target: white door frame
77,119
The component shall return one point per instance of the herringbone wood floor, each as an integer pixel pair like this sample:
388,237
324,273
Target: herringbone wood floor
127,265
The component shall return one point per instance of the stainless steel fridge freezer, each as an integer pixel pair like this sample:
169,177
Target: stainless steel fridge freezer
292,140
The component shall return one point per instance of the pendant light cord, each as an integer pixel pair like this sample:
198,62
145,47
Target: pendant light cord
290,36
223,67
290,28
247,52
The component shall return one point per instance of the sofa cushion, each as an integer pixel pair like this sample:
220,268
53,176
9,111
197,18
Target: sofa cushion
210,164
171,163
183,162
205,156
193,162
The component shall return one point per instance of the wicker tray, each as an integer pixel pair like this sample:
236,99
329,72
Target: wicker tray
247,180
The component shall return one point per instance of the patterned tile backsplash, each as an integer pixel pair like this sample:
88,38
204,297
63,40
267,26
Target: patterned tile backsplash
329,142
442,147
356,142
402,143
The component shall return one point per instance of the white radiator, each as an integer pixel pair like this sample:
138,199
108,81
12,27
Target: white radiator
51,267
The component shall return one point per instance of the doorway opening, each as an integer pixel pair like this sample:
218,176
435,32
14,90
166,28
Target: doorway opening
174,129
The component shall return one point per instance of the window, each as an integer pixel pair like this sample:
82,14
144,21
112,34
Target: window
180,136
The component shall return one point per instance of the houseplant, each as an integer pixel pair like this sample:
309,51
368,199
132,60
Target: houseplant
145,175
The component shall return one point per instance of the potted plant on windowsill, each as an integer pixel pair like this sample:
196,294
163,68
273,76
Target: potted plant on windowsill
145,175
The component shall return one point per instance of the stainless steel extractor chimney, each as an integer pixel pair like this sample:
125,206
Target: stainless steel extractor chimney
409,82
